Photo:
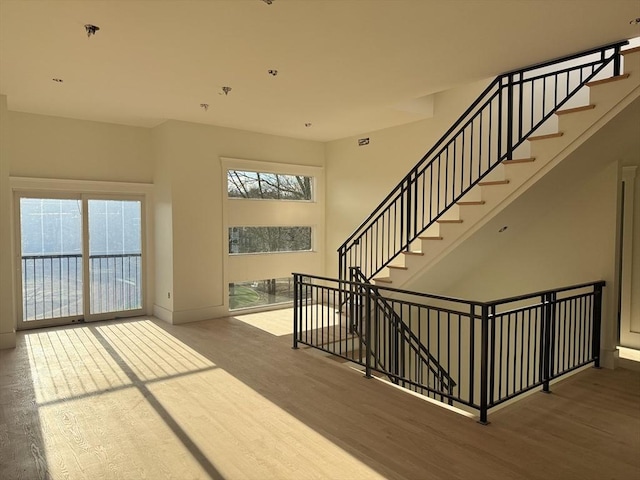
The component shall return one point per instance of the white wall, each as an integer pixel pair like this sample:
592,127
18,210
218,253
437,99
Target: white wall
260,213
7,319
52,147
190,159
163,224
630,294
183,162
48,147
358,178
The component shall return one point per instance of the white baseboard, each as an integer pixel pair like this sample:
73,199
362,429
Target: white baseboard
7,340
162,313
198,314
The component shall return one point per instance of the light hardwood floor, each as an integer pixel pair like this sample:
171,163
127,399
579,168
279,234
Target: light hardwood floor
226,399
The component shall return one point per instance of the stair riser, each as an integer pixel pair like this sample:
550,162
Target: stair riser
577,127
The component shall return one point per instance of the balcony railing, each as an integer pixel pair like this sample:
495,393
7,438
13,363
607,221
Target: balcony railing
52,285
488,352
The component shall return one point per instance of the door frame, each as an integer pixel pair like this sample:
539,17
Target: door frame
628,336
82,190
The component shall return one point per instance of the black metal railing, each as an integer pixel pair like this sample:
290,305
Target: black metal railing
116,282
52,285
510,109
397,336
471,354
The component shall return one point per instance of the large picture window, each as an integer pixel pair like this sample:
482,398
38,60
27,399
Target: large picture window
269,186
269,239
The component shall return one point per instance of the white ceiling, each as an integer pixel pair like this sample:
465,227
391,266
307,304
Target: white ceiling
345,66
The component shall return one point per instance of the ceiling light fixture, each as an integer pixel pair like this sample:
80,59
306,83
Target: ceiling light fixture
635,21
273,73
307,125
91,29
57,80
204,106
268,2
503,229
226,90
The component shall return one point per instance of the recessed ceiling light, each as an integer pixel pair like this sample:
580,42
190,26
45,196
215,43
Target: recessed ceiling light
57,80
307,124
91,29
273,73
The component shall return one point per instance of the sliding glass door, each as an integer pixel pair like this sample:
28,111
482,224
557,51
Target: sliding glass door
115,256
81,259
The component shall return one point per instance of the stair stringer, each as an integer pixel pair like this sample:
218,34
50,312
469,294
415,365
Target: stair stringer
609,99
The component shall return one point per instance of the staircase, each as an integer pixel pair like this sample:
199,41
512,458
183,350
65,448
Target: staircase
406,359
523,125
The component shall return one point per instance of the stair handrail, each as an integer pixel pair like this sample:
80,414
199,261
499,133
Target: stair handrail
427,358
445,141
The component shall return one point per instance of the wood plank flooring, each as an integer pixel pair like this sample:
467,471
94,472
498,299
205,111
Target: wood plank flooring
226,399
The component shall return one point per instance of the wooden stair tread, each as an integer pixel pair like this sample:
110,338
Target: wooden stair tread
449,221
607,80
493,182
475,202
430,238
397,267
575,109
630,50
544,137
513,161
409,252
383,280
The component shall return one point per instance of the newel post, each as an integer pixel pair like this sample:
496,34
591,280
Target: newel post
597,323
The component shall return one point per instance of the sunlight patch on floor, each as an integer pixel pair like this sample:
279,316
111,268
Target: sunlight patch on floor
280,322
129,400
275,322
69,363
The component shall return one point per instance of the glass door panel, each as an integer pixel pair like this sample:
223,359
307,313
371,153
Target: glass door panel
51,263
115,256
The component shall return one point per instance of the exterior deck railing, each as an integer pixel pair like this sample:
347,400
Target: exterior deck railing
52,285
488,352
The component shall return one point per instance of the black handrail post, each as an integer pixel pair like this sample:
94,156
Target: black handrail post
617,69
597,323
296,315
368,336
484,365
546,349
510,117
409,211
351,312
